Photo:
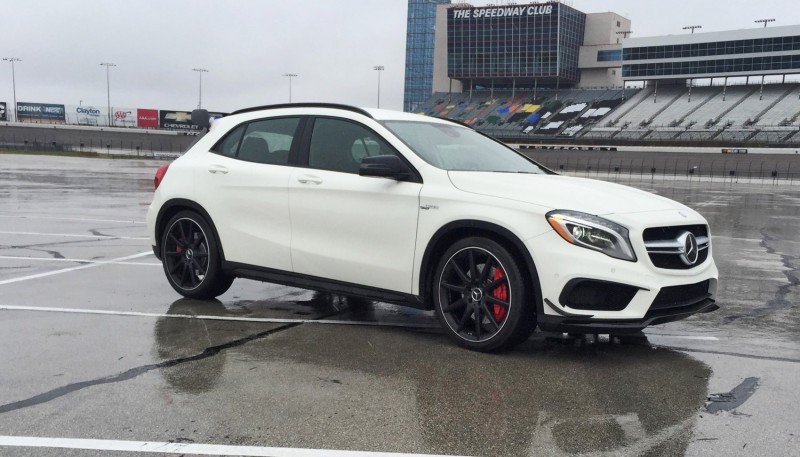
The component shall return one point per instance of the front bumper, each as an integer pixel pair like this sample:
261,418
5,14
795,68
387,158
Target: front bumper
578,324
638,294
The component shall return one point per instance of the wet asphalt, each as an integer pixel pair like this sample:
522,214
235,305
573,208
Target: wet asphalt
95,344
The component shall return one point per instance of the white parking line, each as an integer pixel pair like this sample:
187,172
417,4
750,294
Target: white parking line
80,219
72,235
683,337
80,267
270,320
51,259
186,448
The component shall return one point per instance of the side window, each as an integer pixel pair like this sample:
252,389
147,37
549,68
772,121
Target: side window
230,144
340,145
268,141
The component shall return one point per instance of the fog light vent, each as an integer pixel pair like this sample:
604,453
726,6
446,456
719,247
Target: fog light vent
593,295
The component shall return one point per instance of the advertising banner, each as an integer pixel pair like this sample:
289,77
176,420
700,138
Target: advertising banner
98,116
87,115
3,115
176,120
147,118
123,117
181,120
40,112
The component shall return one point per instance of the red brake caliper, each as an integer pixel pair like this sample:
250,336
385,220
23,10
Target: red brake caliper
500,293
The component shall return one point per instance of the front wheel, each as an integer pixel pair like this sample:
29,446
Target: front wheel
191,258
481,296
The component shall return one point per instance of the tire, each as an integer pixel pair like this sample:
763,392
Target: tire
482,299
191,257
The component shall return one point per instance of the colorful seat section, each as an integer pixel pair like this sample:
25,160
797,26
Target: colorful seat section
541,113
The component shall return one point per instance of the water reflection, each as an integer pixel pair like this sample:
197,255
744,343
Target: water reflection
549,397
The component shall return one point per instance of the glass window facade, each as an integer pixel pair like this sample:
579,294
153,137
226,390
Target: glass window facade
718,48
539,40
757,56
419,51
765,64
612,55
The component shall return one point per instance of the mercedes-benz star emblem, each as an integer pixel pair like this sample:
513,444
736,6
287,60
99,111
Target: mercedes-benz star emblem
476,295
689,251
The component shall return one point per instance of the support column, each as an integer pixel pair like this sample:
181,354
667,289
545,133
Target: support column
655,93
724,88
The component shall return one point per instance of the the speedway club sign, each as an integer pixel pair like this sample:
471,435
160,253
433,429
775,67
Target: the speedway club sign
40,112
3,115
502,11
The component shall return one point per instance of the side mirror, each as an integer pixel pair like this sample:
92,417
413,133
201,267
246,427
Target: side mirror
387,166
201,118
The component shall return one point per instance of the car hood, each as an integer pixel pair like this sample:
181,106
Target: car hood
562,192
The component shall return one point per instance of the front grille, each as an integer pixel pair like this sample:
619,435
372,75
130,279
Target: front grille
672,261
679,296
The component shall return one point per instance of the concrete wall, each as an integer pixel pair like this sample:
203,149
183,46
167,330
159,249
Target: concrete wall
601,35
600,77
441,82
602,28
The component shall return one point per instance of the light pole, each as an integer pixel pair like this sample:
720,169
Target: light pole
108,87
692,27
290,76
765,21
200,72
379,69
13,81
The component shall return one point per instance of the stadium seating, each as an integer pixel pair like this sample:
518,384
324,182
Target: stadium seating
674,114
784,112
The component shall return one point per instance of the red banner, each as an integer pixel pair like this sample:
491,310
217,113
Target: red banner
147,118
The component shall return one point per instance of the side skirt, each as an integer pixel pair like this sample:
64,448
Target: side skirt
241,270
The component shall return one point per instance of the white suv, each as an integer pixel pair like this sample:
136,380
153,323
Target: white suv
427,213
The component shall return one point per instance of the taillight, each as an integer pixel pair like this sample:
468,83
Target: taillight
162,170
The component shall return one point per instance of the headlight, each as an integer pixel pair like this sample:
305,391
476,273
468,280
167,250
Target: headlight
592,232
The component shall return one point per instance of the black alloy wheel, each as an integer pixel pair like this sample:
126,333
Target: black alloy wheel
480,296
191,259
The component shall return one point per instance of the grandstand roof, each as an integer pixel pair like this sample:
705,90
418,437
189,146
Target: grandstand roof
708,37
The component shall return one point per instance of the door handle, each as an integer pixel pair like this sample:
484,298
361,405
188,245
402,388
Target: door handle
309,179
214,169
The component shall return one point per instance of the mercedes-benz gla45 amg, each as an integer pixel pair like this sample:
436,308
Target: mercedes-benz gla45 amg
424,212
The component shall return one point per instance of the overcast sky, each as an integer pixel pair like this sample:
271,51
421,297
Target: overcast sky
248,44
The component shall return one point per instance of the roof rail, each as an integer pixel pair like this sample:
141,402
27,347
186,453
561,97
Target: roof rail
305,105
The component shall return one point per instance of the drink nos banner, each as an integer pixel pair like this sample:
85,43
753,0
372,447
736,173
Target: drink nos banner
45,113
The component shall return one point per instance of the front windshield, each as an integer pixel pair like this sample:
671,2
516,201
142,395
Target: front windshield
452,147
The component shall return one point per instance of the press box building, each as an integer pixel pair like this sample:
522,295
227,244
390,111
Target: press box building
459,47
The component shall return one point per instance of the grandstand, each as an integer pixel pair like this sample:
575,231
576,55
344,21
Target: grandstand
737,87
739,114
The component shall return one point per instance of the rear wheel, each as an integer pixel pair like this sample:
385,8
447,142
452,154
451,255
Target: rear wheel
191,257
481,297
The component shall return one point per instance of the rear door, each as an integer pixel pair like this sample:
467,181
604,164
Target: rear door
345,227
242,183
